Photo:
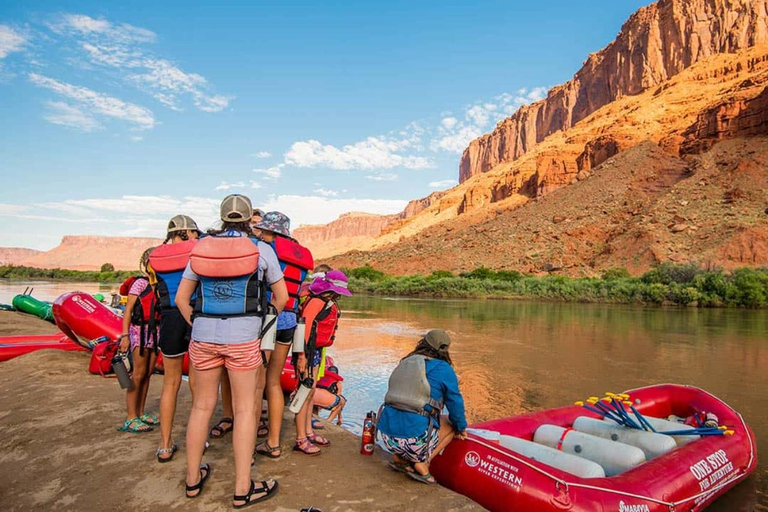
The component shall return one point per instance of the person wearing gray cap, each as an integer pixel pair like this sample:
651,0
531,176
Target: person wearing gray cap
230,270
410,422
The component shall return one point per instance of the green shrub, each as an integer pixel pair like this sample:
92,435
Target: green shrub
365,272
107,267
615,273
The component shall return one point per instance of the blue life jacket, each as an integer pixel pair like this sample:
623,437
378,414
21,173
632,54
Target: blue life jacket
227,267
168,261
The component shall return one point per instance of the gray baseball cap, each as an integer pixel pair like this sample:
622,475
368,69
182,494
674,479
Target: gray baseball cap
438,338
236,208
182,223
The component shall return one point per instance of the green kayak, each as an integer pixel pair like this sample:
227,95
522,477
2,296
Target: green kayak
29,304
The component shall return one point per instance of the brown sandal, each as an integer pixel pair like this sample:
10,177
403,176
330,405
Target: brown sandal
269,451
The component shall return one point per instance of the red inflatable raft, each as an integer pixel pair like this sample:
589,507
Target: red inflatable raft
83,318
687,478
15,346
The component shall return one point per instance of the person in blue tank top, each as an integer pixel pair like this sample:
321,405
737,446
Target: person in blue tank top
415,434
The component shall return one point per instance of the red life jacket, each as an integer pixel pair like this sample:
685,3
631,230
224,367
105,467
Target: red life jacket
295,261
323,317
169,261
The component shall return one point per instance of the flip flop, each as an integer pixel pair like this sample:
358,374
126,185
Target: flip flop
316,425
199,485
221,431
247,498
166,451
425,479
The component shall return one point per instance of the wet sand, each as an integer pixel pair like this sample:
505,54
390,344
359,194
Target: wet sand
59,449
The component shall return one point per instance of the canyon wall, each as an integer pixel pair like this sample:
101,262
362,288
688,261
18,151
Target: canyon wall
655,44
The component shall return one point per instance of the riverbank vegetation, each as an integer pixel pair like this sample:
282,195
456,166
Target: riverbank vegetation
58,274
673,284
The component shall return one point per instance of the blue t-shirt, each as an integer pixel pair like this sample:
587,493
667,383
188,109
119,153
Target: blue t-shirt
444,387
286,320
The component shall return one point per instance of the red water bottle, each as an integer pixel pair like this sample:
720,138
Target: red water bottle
366,447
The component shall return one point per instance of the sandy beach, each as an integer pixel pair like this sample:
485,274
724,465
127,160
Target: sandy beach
59,449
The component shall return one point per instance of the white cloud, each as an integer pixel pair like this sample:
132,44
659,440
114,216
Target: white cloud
320,210
255,184
85,25
91,103
324,192
262,154
443,184
382,177
449,122
66,115
119,46
371,153
10,41
226,186
272,173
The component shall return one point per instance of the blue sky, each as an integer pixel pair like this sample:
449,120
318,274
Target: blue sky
117,117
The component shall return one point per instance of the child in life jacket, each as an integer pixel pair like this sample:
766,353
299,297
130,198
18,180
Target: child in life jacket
321,315
169,261
139,337
410,423
328,394
295,262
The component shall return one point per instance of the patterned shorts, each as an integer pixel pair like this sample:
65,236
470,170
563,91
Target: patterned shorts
241,356
413,449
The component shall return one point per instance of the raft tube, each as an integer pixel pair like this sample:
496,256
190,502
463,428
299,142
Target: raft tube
687,478
288,380
84,319
29,304
15,346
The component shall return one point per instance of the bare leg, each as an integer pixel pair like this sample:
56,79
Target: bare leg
275,399
133,395
203,404
444,436
226,395
244,435
145,382
336,411
171,385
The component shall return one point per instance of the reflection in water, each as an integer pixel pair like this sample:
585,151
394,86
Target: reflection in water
516,357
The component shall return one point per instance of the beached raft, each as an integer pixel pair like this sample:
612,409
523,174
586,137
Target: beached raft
84,319
686,476
26,303
15,346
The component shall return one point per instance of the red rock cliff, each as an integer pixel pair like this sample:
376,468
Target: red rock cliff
655,44
91,252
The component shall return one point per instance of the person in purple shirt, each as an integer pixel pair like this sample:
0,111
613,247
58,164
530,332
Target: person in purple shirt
410,424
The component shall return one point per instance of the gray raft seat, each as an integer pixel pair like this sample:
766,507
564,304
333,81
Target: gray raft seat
651,443
563,461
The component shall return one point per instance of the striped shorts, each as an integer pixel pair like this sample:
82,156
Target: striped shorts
241,356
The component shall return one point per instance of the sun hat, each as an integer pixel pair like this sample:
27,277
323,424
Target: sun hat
275,222
437,339
182,223
236,208
333,281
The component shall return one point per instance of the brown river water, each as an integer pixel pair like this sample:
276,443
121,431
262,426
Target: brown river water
514,357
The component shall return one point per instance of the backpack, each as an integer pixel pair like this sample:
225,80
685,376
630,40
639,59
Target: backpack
323,317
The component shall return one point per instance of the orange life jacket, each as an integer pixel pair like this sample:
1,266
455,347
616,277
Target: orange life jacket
323,317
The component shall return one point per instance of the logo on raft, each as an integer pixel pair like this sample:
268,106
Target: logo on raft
623,507
472,459
83,303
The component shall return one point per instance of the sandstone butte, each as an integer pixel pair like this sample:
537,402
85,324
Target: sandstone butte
635,148
681,77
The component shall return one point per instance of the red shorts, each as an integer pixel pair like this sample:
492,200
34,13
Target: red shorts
242,356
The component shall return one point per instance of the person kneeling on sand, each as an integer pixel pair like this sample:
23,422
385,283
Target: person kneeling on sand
411,426
328,395
230,269
140,334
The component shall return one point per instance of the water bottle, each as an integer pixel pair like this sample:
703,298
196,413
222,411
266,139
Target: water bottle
270,329
366,445
121,367
301,395
298,336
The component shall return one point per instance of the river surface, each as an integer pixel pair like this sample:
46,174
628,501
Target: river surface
515,357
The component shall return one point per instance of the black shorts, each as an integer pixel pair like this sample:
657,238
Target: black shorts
174,333
285,336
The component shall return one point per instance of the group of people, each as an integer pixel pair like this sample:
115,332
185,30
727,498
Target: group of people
210,294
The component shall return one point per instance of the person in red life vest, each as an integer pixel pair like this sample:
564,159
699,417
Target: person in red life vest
230,270
295,261
321,315
224,425
140,334
169,261
328,395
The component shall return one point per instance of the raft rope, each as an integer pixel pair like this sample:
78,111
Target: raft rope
741,473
